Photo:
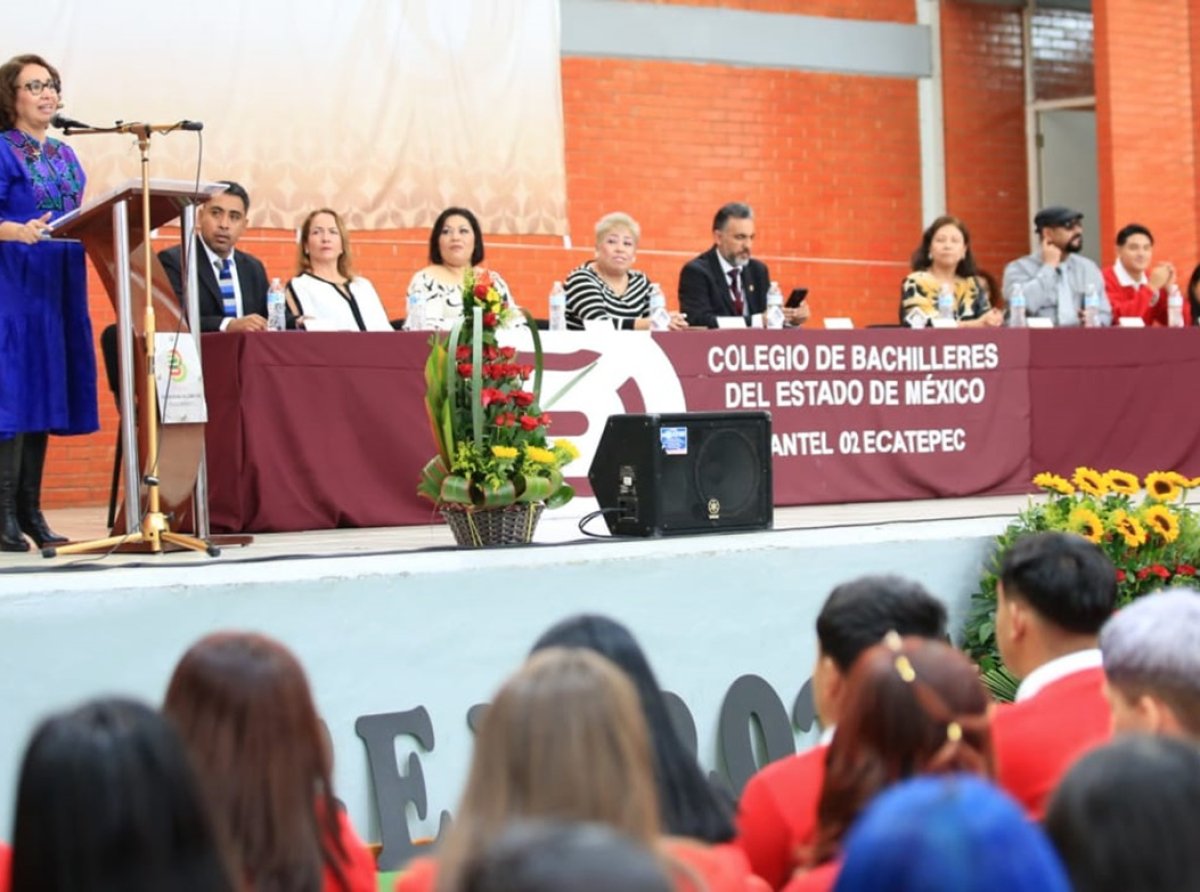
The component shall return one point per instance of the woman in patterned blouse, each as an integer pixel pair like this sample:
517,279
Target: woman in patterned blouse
47,363
607,287
944,258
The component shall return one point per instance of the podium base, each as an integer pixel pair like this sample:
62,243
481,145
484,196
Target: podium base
153,538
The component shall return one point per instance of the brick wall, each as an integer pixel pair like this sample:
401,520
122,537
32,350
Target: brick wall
1146,124
831,164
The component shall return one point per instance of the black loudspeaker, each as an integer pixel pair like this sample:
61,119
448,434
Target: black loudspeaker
693,472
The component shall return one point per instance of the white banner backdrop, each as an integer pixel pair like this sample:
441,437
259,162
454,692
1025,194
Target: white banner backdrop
387,110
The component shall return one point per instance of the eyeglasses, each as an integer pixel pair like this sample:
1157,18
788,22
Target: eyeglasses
36,87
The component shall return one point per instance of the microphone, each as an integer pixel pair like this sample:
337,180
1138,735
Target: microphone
62,122
191,125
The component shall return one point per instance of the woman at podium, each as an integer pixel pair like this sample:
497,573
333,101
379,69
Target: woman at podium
47,358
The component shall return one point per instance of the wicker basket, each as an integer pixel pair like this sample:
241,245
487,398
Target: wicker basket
481,527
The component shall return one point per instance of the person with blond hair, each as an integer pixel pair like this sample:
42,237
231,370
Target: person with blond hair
325,293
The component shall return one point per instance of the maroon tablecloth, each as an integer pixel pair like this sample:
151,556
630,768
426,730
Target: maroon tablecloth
323,430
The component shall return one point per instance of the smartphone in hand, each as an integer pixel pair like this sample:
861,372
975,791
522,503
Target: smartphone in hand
796,298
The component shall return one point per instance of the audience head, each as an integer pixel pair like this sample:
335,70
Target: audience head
545,856
856,616
948,834
324,240
1054,593
688,804
617,236
913,706
222,219
456,239
12,84
242,705
1135,248
946,243
564,740
1152,662
1126,817
1061,226
1194,292
733,232
107,800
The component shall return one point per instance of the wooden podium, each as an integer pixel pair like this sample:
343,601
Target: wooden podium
107,227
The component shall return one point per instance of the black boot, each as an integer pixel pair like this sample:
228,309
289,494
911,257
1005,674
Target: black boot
10,531
29,492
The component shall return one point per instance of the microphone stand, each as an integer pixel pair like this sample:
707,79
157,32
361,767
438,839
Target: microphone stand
155,529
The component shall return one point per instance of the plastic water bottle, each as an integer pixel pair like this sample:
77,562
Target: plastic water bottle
1091,307
416,312
945,302
1016,307
276,307
1175,307
558,308
660,318
774,314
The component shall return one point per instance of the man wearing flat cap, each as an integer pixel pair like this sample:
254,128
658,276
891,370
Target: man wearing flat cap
1056,277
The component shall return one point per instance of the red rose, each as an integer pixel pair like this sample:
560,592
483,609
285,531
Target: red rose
1160,571
481,290
489,320
545,419
490,353
505,419
509,353
465,369
1120,575
1185,570
530,422
521,397
1143,573
462,353
490,395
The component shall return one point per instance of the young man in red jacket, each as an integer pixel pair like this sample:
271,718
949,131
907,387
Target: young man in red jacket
777,813
1133,288
1055,592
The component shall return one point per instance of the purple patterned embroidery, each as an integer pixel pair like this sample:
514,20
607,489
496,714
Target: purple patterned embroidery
55,177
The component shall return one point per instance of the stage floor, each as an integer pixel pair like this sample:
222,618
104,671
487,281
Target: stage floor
831,524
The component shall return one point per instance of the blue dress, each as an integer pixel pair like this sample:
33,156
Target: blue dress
47,357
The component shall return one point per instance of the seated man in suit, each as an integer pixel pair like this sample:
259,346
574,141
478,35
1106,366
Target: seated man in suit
1054,593
233,284
725,280
777,813
1152,662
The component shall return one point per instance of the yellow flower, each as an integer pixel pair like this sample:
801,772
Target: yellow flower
1122,482
507,452
1129,528
1053,483
1162,486
568,447
1090,481
1193,483
1163,521
1086,523
540,456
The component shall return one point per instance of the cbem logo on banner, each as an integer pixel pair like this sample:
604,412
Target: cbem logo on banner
754,727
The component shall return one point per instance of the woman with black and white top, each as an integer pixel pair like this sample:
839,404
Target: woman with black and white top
606,287
325,294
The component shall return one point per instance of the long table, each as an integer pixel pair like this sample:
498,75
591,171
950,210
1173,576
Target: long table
315,430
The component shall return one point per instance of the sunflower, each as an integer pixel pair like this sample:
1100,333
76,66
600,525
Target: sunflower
1192,483
1162,486
568,447
1086,523
1162,521
1090,481
539,455
504,452
1122,482
1131,531
1054,483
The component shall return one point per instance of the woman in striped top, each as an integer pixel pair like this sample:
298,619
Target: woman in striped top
606,287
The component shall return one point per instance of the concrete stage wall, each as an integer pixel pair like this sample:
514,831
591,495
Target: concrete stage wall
441,629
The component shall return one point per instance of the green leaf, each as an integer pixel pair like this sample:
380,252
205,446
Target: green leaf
456,489
566,387
538,358
496,497
561,496
477,376
537,489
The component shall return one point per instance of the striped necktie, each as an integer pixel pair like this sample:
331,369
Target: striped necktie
228,295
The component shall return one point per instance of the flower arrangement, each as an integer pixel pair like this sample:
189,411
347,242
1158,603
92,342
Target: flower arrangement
489,427
1144,526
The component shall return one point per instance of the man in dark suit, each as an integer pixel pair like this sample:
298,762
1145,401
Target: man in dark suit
725,280
241,305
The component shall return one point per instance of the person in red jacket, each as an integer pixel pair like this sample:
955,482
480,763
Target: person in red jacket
777,813
1134,292
1054,593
